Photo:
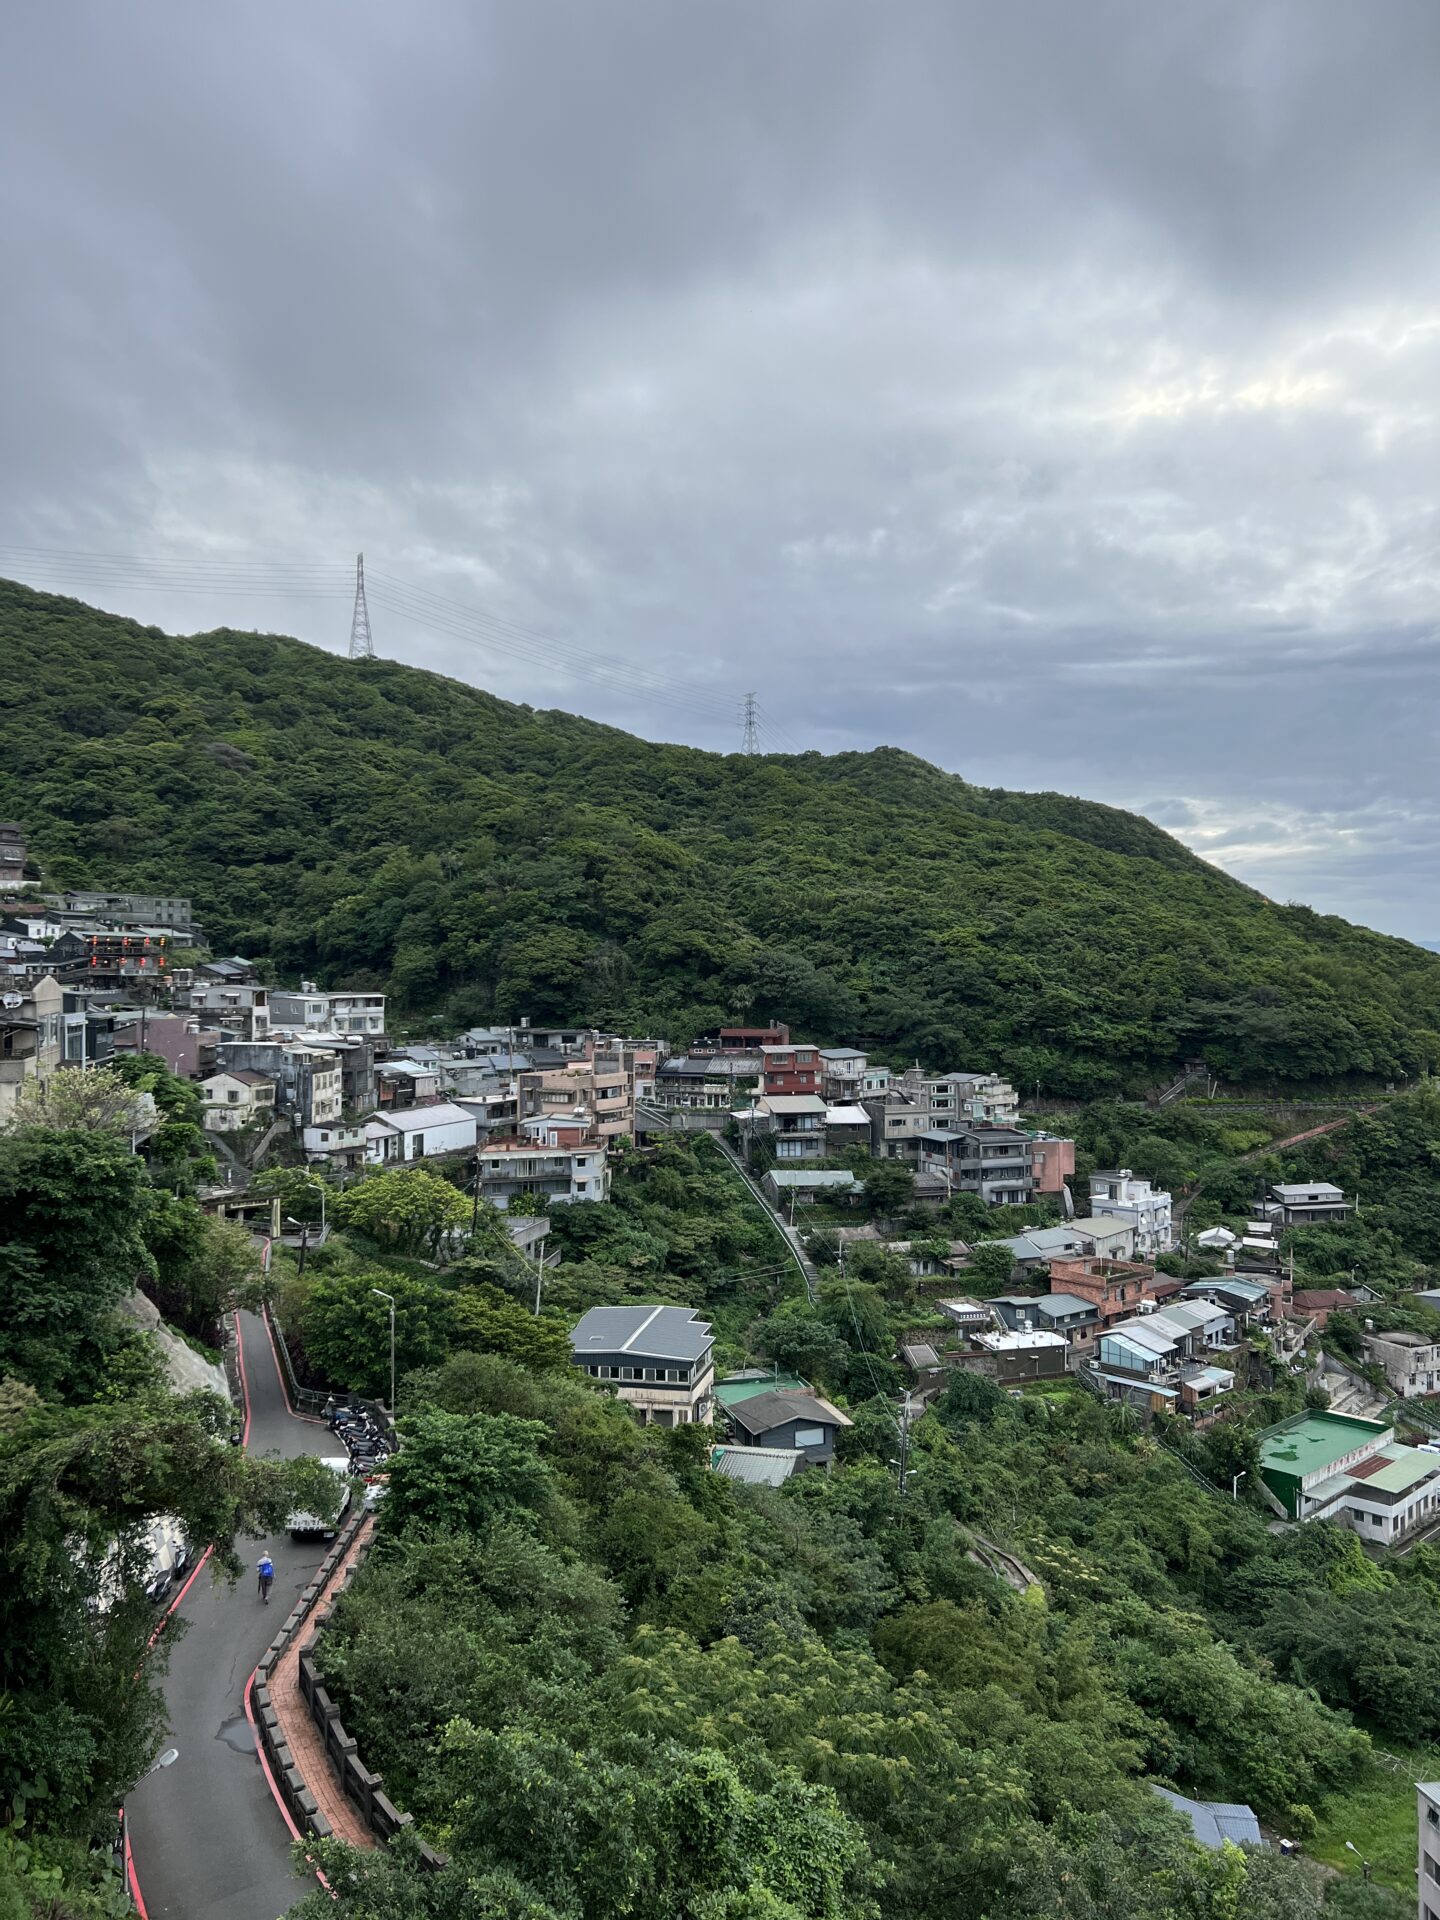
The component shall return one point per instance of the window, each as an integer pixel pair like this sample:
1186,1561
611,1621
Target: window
1432,1870
809,1436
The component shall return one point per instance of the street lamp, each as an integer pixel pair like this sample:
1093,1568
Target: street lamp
167,1759
391,1298
1350,1847
1235,1484
314,1180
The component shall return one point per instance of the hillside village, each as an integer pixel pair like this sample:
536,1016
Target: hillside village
932,1250
531,1116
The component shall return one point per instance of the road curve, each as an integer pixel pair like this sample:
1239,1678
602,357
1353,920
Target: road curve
207,1837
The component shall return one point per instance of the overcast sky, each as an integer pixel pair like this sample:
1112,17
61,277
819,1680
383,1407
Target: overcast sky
1048,389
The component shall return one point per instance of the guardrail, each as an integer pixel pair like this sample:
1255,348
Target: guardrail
358,1783
307,1400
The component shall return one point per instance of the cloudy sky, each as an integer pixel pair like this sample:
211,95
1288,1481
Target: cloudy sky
1050,389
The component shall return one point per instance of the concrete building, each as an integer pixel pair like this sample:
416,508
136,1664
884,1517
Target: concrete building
1052,1161
795,1123
704,1083
12,853
1064,1313
1300,1454
995,1162
308,1087
1427,1873
659,1360
240,1007
1117,1194
343,1012
790,1069
127,909
32,1043
237,1099
1023,1354
340,1144
1411,1361
549,1160
1116,1288
1306,1203
419,1133
601,1085
842,1074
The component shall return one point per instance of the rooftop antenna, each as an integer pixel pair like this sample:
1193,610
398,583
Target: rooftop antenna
750,743
362,647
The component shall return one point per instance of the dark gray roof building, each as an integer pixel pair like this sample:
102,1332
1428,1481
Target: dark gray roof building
649,1333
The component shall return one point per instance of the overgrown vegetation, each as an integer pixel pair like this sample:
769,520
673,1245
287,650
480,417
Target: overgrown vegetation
386,827
93,1446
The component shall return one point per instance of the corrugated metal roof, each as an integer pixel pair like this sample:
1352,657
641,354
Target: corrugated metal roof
756,1466
1213,1822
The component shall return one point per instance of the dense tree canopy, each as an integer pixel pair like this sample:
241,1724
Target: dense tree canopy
385,826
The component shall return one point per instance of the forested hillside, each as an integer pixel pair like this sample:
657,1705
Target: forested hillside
375,824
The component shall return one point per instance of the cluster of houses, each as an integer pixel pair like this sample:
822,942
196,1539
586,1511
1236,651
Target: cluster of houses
958,1132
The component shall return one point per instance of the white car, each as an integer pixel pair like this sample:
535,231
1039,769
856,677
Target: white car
307,1525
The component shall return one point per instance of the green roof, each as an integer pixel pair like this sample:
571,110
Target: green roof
730,1393
1404,1466
1309,1442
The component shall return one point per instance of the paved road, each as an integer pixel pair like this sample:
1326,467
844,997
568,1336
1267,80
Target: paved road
207,1838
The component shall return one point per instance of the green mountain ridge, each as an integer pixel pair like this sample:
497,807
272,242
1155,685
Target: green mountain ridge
378,824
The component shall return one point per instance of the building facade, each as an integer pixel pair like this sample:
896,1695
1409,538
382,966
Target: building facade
1117,1194
659,1360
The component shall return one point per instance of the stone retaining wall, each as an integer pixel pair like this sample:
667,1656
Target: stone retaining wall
363,1788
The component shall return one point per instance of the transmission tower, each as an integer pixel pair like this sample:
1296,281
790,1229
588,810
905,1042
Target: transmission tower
362,647
751,740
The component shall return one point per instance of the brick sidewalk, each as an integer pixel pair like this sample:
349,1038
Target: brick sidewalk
300,1732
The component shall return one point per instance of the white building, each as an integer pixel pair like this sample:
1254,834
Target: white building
419,1133
1411,1361
317,1012
1427,1795
338,1144
553,1160
237,1098
1117,1194
243,1010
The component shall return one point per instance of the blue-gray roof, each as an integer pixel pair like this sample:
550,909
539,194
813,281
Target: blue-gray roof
1213,1822
758,1466
649,1333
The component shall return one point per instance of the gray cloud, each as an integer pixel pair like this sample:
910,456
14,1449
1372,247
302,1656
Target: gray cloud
1052,390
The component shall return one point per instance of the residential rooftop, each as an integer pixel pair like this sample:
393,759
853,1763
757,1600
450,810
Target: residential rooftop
650,1333
1308,1443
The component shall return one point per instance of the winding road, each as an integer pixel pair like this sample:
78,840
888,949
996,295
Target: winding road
207,1836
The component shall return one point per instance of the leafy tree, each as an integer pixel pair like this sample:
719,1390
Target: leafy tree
407,1209
344,1327
299,1190
889,1188
991,1269
71,1248
484,1318
461,1473
77,1099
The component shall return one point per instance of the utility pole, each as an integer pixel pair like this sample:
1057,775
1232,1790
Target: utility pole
750,740
362,647
391,1298
903,1464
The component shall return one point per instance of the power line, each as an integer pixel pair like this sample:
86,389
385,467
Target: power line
235,577
362,647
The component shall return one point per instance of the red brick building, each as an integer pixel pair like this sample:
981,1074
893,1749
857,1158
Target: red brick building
1116,1288
790,1069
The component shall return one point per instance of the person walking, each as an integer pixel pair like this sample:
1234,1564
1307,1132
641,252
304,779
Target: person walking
265,1567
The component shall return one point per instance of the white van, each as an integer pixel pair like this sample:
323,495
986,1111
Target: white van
306,1525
